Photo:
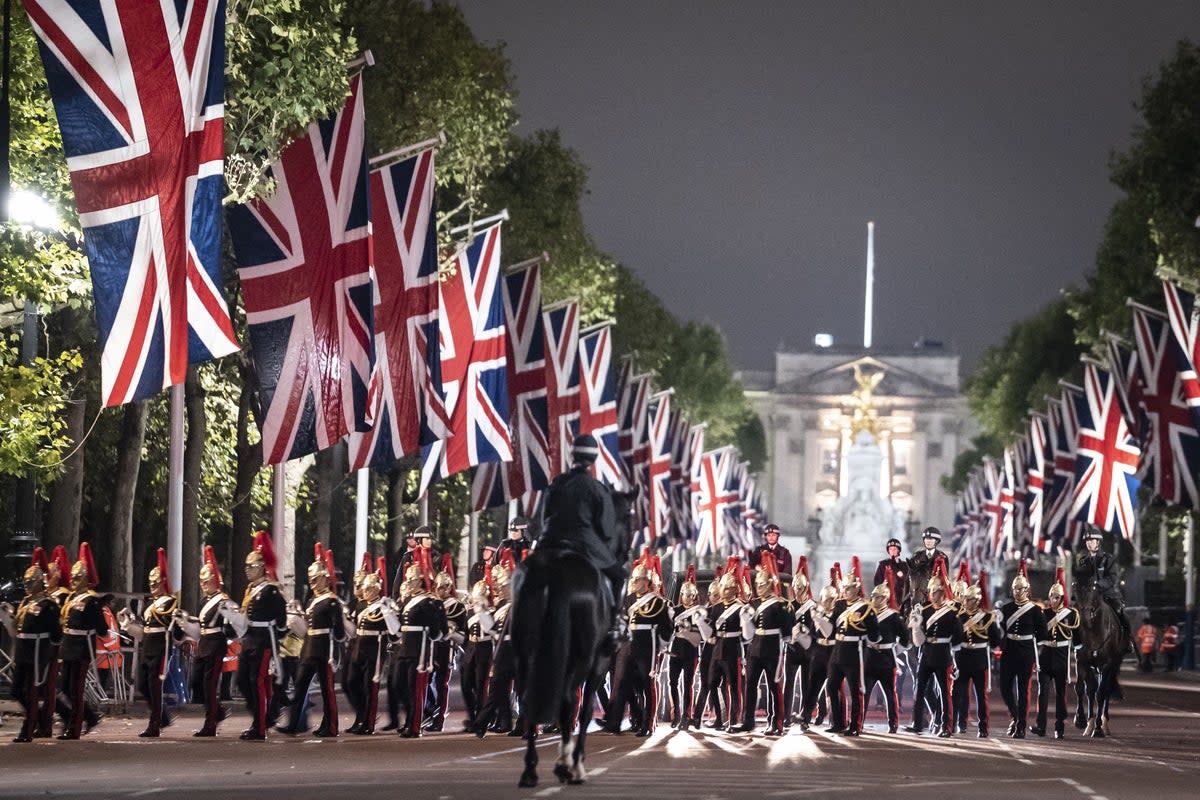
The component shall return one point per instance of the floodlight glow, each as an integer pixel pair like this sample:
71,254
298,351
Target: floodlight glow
30,209
823,340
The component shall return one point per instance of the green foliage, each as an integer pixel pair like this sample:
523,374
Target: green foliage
32,429
285,67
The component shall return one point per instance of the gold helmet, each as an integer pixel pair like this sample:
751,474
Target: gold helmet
38,568
689,593
829,594
1020,584
34,573
728,581
881,592
639,572
83,571
764,581
160,577
972,594
500,577
370,581
1058,589
936,584
445,577
480,594
714,590
210,572
414,579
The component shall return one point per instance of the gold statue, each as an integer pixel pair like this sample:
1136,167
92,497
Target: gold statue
865,418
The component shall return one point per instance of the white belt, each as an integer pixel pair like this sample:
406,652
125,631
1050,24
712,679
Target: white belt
975,645
211,631
318,631
825,641
155,629
767,631
76,632
844,638
412,628
639,626
729,634
938,640
33,636
1020,637
261,624
478,639
1051,643
363,632
881,645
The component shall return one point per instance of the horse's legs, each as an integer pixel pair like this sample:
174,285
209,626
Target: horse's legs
529,776
578,773
1080,695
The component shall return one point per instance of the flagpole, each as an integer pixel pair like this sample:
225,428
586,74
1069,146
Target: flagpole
480,223
869,304
404,152
278,499
608,323
175,489
529,262
362,505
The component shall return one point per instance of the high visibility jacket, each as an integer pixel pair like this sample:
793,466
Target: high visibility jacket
108,648
232,652
1170,639
1147,637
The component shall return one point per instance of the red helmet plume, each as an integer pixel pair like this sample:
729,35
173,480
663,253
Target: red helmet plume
426,561
691,574
1023,569
717,573
487,577
835,574
802,566
733,563
507,561
772,567
40,561
210,561
93,574
984,603
448,569
656,567
62,562
366,563
381,571
318,551
939,569
330,569
1061,581
890,578
856,568
744,590
164,575
964,572
264,547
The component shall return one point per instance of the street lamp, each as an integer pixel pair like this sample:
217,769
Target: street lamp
31,210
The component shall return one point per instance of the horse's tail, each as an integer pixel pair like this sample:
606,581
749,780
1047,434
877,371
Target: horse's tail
541,638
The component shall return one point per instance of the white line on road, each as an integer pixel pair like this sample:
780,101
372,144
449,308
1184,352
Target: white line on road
548,791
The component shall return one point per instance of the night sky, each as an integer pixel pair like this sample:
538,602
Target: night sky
737,151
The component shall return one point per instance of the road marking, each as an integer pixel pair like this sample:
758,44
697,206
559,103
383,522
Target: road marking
1082,789
1173,708
146,792
1006,747
548,791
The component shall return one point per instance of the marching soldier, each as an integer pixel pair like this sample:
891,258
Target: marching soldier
156,630
732,623
422,622
815,695
772,631
266,621
634,671
496,714
58,580
378,621
937,631
516,544
798,659
1096,569
691,629
83,621
881,652
444,649
706,650
477,652
920,565
219,621
36,628
1024,626
981,633
853,623
782,556
901,593
1057,660
325,623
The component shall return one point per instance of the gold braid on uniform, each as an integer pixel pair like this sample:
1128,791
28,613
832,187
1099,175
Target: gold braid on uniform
246,599
373,616
856,620
1063,624
651,608
980,630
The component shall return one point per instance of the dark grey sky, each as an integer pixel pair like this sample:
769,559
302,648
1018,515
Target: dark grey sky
737,151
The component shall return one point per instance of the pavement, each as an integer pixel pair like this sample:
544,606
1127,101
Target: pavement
1152,753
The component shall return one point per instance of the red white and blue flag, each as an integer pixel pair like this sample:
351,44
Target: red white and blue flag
1171,445
694,474
658,458
304,257
712,500
1185,324
562,380
474,345
405,404
631,437
1041,456
598,402
532,465
1106,457
139,92
1063,428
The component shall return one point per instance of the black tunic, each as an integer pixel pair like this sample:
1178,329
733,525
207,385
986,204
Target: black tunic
215,630
324,617
158,623
422,622
772,628
578,515
943,632
853,624
38,627
266,611
83,614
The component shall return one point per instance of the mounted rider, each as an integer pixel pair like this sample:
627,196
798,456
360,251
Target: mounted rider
1096,570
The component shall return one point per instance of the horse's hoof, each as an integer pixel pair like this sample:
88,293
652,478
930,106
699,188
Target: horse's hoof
1080,723
1098,733
528,780
577,781
562,773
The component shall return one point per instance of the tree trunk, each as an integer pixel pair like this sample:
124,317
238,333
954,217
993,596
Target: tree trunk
249,462
193,462
129,462
326,480
285,540
66,495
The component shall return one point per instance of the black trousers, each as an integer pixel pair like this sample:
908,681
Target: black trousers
972,675
473,677
255,684
72,677
411,684
881,672
682,667
149,681
497,706
705,696
931,681
362,691
632,687
438,697
1054,672
322,670
757,668
1016,670
32,696
727,672
206,685
849,674
814,682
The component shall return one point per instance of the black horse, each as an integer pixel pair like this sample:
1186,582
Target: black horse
561,614
1104,645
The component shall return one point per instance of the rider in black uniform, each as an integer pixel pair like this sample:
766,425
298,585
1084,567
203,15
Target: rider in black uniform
1096,569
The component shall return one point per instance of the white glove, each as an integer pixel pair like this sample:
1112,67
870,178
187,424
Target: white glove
7,619
234,616
190,627
391,615
297,625
348,625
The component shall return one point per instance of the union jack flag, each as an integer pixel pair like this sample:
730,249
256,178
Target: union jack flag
404,401
1171,446
1063,430
139,93
532,463
598,402
681,486
1106,459
474,343
695,464
631,437
1182,312
1008,502
658,456
1040,455
712,499
994,507
562,380
304,257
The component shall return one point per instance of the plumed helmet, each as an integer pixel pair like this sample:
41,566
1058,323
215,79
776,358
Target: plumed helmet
370,580
39,566
972,594
414,578
882,591
445,576
85,566
936,584
364,569
983,589
828,594
1021,582
160,575
854,580
263,553
1059,587
501,576
640,572
480,593
381,572
764,580
60,564
209,571
689,592
835,576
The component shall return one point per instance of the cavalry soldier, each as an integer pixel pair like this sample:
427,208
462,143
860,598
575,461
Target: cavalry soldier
958,587
797,659
83,620
325,623
1097,570
156,630
1024,626
691,629
920,565
732,623
634,671
1057,659
816,698
854,623
981,633
937,631
881,651
706,650
772,631
444,649
782,556
901,592
266,621
517,544
477,653
58,589
496,714
219,621
422,622
36,627
378,620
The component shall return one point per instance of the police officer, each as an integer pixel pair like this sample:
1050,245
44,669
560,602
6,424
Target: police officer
1057,657
517,542
981,633
782,556
937,631
1097,570
37,627
649,618
325,624
854,623
690,630
83,621
920,565
772,631
1024,626
881,651
900,591
266,619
